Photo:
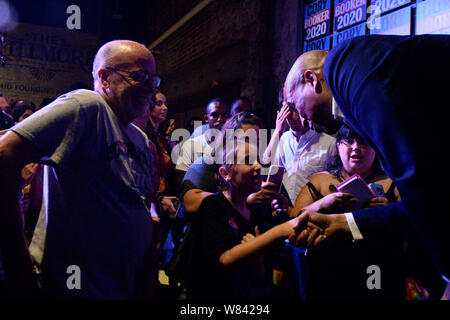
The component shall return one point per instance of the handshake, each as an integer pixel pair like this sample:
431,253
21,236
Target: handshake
313,230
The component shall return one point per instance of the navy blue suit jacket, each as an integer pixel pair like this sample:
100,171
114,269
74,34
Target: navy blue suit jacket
395,92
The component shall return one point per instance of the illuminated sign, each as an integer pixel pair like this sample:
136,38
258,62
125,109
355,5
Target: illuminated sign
348,13
317,19
321,44
355,31
386,5
395,23
433,16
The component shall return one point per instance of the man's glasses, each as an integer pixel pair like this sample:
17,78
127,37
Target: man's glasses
139,76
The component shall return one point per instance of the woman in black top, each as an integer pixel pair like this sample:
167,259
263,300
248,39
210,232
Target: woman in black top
339,271
354,156
228,259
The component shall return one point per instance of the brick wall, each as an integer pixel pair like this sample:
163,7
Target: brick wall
244,47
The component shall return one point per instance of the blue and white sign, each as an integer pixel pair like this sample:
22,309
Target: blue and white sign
348,13
320,44
381,6
355,31
395,23
317,19
433,16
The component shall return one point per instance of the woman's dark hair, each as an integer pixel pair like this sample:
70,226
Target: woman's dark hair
155,135
19,109
334,164
234,123
241,118
153,100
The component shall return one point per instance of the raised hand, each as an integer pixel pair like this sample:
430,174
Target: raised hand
282,115
265,195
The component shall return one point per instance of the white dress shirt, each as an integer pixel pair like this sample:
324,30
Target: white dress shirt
303,158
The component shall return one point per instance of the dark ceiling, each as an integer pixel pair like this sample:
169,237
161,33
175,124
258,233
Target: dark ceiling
142,21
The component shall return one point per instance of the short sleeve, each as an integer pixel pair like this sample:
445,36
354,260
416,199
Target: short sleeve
54,130
185,157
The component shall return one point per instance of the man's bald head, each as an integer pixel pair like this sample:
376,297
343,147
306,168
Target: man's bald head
305,87
312,60
118,53
124,75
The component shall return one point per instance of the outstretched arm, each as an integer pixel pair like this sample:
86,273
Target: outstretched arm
257,244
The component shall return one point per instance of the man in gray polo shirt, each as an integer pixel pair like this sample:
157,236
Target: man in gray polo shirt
93,237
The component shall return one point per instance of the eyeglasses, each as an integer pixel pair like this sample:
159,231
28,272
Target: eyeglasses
139,76
349,142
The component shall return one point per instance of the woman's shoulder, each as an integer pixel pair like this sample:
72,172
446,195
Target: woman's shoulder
215,201
215,207
321,177
384,180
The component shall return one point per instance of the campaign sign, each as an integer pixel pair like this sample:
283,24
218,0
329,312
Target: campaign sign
321,44
382,6
317,19
433,16
348,13
395,23
355,31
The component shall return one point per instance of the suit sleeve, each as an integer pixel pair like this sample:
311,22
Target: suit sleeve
380,83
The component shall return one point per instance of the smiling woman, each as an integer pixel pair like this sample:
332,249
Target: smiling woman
230,237
354,156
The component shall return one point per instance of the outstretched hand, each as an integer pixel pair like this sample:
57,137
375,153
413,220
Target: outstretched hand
314,229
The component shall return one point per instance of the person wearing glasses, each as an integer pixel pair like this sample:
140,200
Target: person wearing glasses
376,82
93,238
339,271
354,156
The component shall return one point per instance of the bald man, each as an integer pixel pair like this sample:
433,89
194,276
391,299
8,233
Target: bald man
93,236
306,90
382,86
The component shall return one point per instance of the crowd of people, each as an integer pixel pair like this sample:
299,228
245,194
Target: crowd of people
100,200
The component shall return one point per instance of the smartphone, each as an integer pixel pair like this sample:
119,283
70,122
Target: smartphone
357,187
276,173
377,189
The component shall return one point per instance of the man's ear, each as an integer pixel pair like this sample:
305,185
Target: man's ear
224,174
103,75
312,79
206,118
